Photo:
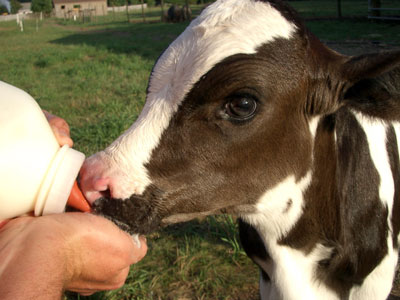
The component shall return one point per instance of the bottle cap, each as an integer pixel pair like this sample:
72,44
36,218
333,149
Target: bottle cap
57,185
77,200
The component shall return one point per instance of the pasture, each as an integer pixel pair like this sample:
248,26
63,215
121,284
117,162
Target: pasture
95,76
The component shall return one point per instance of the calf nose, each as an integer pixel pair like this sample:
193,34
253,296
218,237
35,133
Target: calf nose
94,184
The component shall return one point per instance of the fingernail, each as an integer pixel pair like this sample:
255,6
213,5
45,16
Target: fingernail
135,238
63,133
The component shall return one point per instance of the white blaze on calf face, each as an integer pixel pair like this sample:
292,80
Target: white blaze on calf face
224,28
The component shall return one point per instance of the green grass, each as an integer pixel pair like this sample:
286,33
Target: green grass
95,76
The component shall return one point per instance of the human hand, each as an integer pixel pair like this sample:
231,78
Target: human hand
60,128
83,253
106,253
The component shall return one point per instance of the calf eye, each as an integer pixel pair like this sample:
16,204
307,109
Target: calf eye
241,108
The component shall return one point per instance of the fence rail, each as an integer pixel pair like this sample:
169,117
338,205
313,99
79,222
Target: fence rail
123,8
379,10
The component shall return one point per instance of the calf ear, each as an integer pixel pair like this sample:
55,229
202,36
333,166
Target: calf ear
372,85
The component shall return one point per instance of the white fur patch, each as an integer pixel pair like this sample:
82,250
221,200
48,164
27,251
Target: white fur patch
224,28
292,273
378,283
273,215
397,131
375,131
313,125
396,127
376,135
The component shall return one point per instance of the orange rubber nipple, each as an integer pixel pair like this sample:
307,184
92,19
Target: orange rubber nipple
77,200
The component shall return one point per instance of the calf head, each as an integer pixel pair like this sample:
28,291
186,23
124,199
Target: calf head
230,114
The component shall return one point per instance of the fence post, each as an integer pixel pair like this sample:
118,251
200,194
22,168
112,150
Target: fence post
143,15
376,4
339,8
127,12
162,11
187,8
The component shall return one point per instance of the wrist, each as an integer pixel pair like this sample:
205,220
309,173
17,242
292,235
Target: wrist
32,262
54,240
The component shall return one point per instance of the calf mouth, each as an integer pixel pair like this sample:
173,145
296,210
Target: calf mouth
135,215
149,212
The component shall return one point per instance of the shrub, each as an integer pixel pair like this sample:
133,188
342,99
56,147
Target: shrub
15,6
41,6
3,10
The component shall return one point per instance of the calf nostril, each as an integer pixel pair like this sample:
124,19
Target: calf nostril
106,193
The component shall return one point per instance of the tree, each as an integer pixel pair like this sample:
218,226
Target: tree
162,11
41,6
3,10
15,6
117,2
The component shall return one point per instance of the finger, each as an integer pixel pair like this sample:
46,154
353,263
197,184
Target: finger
86,293
60,129
61,125
119,280
143,248
63,139
83,291
129,251
138,253
48,115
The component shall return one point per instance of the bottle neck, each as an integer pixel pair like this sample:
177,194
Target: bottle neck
57,184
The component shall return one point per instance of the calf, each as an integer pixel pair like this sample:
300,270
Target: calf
248,113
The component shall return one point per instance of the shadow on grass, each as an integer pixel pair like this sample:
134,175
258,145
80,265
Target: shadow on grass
221,229
145,39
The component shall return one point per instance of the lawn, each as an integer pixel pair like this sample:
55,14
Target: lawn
95,76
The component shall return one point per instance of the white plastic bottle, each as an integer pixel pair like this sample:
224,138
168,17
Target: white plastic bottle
35,173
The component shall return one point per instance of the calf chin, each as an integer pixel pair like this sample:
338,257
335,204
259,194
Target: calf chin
135,215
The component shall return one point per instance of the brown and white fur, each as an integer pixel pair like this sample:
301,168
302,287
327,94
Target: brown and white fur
248,113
